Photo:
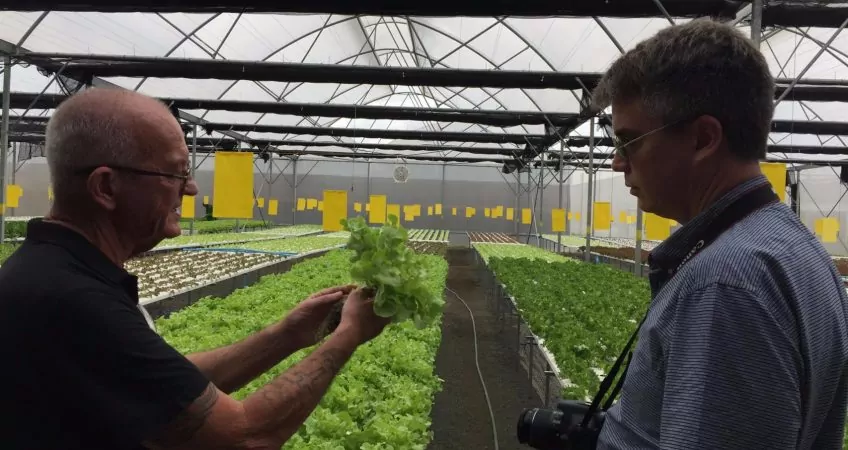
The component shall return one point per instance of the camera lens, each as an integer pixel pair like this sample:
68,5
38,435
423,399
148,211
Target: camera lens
541,428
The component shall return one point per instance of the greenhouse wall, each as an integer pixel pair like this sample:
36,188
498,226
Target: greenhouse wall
480,187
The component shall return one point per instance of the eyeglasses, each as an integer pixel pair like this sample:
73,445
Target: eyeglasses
184,177
620,145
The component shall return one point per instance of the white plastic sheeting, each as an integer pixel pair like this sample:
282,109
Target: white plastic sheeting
556,44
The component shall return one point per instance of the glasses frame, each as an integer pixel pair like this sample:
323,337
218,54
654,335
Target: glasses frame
184,177
620,148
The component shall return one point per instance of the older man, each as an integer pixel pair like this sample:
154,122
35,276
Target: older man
82,368
745,343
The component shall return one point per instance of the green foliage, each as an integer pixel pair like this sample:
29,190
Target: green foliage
16,229
488,251
383,396
223,225
584,312
382,260
6,251
295,244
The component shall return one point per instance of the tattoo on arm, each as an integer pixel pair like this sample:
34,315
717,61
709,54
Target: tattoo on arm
183,428
299,390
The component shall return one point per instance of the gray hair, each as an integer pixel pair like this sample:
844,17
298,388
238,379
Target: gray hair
700,68
88,130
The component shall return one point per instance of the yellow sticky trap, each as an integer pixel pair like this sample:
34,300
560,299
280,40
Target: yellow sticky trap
377,211
602,216
260,202
416,210
311,203
429,210
673,222
453,211
631,220
510,214
830,230
367,207
487,212
273,206
408,213
656,228
558,220
819,226
469,212
301,204
187,208
570,216
233,185
438,209
622,217
14,193
357,207
577,215
334,207
205,199
526,216
776,175
393,210
498,212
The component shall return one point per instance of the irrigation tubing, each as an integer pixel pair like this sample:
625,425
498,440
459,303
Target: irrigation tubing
479,372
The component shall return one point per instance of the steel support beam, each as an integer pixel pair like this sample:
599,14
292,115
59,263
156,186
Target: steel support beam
4,142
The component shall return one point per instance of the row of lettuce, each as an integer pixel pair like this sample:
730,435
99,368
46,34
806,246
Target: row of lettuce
582,313
394,372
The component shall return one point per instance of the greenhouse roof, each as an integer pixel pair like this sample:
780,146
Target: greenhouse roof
503,80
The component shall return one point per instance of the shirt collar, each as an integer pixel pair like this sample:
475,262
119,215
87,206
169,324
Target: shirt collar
678,245
82,249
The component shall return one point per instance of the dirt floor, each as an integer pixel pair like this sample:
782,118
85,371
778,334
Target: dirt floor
460,415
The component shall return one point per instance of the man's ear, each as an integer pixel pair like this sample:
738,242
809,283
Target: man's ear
709,134
102,186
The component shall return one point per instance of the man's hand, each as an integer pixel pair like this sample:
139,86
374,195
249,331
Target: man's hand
304,320
358,317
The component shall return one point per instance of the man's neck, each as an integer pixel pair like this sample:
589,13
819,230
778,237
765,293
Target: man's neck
104,237
719,186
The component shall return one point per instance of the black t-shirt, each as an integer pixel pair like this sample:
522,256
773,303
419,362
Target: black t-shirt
81,367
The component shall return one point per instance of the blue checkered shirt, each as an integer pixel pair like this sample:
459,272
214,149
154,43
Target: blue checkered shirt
744,348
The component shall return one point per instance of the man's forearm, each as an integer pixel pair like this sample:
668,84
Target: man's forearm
281,407
235,365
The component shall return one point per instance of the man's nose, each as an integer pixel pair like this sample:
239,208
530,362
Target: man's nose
191,187
619,163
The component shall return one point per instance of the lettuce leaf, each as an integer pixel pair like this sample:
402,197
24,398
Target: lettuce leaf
382,261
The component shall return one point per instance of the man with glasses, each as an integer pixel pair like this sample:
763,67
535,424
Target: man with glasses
745,342
83,368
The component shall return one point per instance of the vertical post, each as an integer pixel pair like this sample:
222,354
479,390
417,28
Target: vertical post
270,180
529,199
294,191
559,234
193,170
442,216
14,161
4,141
591,190
517,213
541,198
757,21
638,256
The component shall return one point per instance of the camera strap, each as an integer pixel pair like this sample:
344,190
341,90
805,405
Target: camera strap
749,202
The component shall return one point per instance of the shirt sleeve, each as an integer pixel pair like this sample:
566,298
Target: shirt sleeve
733,375
131,383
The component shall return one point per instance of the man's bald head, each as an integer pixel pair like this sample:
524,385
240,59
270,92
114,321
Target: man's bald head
103,127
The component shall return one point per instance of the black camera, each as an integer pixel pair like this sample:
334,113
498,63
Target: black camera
565,428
